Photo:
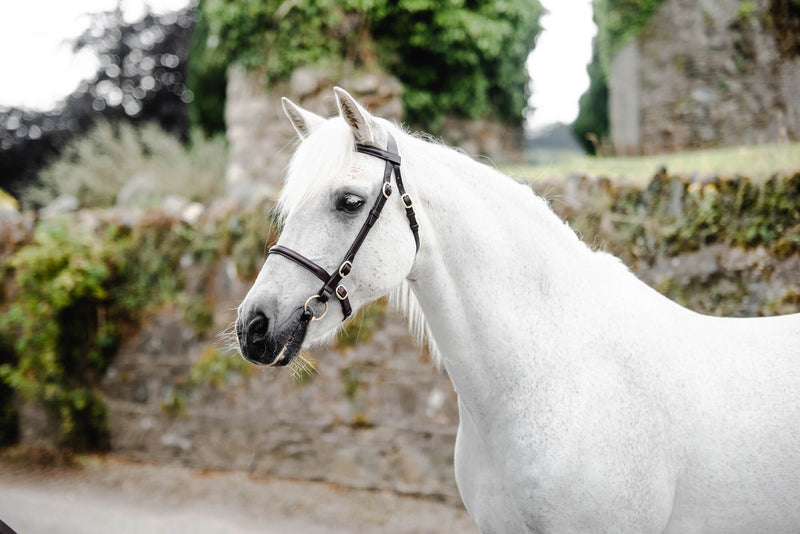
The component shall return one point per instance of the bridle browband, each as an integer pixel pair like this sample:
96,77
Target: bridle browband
332,281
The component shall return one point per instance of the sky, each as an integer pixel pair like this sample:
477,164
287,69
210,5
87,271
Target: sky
38,67
558,63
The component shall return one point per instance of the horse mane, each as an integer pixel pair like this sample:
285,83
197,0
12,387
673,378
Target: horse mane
404,300
330,146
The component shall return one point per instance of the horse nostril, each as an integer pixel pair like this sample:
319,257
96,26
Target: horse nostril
258,326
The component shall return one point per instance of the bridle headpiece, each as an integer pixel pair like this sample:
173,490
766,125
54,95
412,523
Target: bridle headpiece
333,281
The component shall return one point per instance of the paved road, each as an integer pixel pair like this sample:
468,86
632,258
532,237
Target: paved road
113,496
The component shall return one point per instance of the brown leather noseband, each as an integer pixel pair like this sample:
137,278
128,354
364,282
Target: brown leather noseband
332,281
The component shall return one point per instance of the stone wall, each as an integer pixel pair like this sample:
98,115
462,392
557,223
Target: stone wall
261,139
701,74
377,414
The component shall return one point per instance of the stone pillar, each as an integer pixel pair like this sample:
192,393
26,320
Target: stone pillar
260,137
623,104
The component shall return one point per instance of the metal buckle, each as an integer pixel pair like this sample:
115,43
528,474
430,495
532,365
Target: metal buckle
410,200
349,269
387,193
339,295
305,307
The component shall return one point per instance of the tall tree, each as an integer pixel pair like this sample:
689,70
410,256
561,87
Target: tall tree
141,78
591,127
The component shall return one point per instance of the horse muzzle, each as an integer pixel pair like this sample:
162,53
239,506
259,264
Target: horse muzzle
260,346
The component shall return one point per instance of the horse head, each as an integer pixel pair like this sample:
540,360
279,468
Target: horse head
342,229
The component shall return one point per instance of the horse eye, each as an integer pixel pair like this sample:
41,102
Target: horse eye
349,203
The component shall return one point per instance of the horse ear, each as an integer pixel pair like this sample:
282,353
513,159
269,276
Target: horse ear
358,118
304,122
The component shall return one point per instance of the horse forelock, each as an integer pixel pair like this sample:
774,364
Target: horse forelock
329,149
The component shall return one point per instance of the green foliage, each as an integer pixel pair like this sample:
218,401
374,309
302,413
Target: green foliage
617,22
673,216
459,56
275,37
591,126
71,294
74,290
198,312
745,11
213,369
94,168
206,78
60,327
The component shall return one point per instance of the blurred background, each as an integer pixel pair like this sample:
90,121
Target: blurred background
142,146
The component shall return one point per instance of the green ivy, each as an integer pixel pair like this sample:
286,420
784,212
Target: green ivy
75,289
617,22
643,225
71,294
462,57
458,57
60,329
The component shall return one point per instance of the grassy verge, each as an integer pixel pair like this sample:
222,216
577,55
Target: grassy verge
757,162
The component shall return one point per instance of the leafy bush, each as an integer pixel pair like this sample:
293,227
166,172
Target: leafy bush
61,329
95,167
459,57
452,57
591,127
74,291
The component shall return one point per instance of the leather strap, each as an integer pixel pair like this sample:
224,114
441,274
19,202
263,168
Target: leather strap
332,281
389,155
320,273
405,198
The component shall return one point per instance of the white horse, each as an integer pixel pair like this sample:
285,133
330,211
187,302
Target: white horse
587,401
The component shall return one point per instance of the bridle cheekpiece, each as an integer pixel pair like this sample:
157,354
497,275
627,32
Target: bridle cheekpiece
333,281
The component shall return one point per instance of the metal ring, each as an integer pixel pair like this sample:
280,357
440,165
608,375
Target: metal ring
343,275
410,200
387,194
305,307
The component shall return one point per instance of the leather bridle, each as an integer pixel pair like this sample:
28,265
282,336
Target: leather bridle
332,281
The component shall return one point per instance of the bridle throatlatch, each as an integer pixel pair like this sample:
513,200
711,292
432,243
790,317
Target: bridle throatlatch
333,281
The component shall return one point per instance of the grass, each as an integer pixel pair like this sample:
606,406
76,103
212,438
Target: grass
757,162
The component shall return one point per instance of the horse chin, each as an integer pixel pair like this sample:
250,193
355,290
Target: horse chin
291,345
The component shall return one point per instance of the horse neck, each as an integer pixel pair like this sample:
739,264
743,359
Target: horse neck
499,276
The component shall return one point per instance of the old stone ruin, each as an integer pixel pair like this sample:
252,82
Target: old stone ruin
708,73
